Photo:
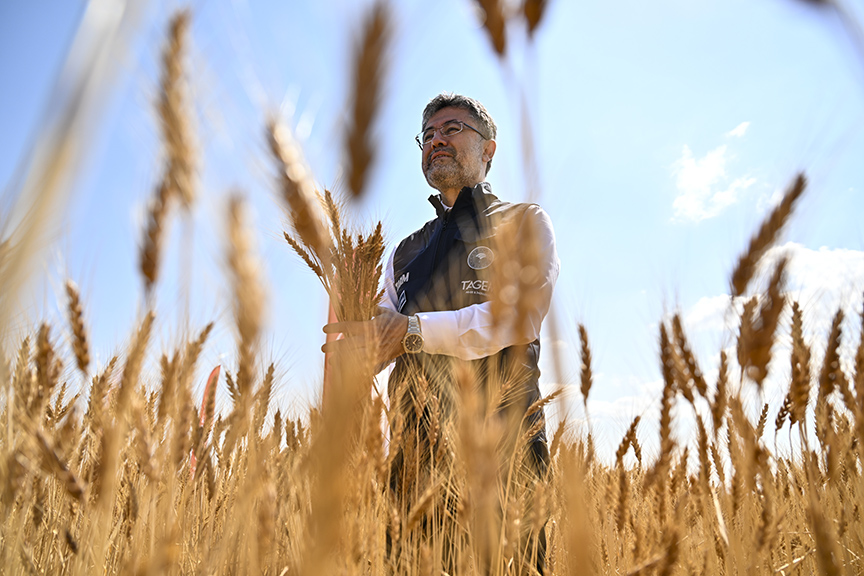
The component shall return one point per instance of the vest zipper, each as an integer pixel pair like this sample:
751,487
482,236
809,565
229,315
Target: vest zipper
438,243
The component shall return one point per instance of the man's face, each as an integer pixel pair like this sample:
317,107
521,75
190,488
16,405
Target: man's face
457,161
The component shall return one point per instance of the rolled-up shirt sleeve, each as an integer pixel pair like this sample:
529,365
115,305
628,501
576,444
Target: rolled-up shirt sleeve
473,332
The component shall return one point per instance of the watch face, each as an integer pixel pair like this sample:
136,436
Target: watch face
413,343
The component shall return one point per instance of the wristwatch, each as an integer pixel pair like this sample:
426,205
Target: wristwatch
413,340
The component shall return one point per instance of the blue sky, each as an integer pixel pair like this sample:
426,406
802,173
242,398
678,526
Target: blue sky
664,132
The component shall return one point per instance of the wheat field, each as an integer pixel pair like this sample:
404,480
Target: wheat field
136,473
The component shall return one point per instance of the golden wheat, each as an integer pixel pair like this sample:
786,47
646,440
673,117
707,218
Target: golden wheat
368,80
148,480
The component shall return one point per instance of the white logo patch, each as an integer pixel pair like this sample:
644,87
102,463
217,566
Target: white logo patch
480,287
481,257
402,280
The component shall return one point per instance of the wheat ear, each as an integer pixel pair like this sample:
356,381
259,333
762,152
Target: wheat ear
667,443
79,335
690,366
765,237
298,190
757,338
626,442
533,11
53,463
494,22
586,376
248,293
831,375
174,113
858,379
368,73
134,360
151,246
799,389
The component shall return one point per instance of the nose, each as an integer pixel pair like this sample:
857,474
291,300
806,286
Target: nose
437,139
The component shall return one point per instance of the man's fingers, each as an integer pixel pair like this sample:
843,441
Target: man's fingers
336,346
346,327
349,345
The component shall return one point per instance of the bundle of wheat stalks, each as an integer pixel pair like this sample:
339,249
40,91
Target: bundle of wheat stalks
132,474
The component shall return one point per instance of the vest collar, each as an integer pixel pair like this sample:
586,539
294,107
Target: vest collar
475,199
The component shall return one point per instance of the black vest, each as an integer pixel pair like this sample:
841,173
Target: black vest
448,264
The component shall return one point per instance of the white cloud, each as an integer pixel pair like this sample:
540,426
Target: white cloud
821,280
704,189
739,130
710,314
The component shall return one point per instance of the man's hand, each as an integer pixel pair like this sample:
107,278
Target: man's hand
379,339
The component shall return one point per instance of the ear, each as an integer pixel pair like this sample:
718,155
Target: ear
489,150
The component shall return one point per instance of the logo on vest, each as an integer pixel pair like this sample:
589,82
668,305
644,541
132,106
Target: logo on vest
480,287
480,257
402,280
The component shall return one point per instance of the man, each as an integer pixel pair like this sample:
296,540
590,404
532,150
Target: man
447,304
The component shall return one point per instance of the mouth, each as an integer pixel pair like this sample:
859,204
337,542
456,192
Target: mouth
438,154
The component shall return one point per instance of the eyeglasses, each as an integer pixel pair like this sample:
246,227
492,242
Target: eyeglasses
446,130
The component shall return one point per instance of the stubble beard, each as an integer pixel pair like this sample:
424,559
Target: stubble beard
448,175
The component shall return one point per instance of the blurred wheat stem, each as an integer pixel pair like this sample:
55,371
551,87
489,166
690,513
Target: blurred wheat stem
179,177
365,99
494,22
174,112
61,146
248,293
533,10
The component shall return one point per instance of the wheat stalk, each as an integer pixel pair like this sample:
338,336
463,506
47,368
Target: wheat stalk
691,371
586,377
98,390
718,406
149,255
756,336
298,190
667,443
351,272
177,134
765,237
799,389
79,333
626,442
858,379
248,294
831,375
134,360
533,11
366,96
494,22
53,463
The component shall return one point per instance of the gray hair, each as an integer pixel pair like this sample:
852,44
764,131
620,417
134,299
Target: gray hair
478,112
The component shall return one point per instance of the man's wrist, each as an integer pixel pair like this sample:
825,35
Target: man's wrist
412,342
